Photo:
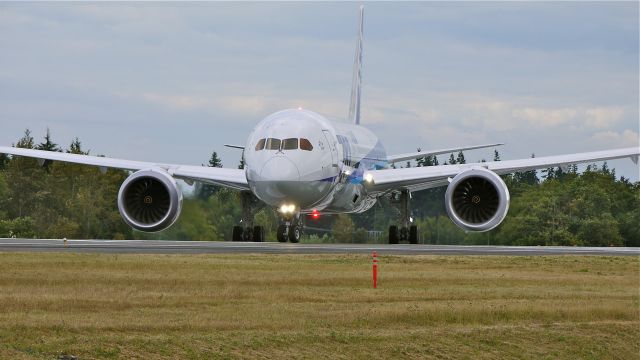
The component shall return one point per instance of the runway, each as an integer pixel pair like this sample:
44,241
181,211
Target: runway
223,247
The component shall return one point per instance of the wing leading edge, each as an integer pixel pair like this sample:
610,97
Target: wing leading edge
232,178
421,178
415,155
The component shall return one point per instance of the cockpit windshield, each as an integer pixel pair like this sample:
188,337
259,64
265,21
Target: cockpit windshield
286,144
273,144
290,144
306,145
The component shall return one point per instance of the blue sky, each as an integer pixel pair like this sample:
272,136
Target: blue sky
171,82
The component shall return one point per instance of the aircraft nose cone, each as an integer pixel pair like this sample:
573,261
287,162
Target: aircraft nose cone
279,168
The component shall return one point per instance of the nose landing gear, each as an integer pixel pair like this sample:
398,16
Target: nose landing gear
290,229
406,232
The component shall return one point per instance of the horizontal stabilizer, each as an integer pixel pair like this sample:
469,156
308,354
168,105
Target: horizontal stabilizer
416,155
234,146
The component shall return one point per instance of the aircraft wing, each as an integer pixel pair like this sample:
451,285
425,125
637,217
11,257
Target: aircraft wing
233,178
420,178
415,155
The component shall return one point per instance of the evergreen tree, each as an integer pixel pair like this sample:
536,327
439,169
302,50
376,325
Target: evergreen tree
26,141
452,160
460,159
48,144
76,147
527,177
204,191
214,160
421,160
241,164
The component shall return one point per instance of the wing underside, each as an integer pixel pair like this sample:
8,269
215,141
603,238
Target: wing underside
420,178
232,178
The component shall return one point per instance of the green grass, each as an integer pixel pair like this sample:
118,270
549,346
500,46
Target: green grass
318,306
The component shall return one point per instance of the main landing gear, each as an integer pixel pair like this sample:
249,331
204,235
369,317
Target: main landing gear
291,229
248,232
407,231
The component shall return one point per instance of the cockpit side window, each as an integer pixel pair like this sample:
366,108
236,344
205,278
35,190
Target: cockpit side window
260,144
273,144
290,144
306,145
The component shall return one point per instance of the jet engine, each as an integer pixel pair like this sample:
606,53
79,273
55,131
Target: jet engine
477,200
149,200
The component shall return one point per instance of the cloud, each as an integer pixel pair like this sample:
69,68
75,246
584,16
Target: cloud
603,117
545,117
614,139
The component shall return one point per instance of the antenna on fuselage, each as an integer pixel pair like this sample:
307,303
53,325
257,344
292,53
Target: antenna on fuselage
356,85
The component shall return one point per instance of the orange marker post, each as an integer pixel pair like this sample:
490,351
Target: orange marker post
375,270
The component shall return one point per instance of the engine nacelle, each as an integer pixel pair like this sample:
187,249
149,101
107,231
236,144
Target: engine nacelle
149,200
477,200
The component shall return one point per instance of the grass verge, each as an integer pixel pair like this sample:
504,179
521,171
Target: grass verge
318,306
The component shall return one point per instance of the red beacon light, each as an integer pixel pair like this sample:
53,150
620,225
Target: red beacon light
315,214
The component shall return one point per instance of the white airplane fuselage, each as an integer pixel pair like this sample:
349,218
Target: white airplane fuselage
298,157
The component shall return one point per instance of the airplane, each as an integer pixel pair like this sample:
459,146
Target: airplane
302,163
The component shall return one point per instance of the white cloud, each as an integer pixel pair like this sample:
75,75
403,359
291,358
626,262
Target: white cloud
545,117
613,139
603,117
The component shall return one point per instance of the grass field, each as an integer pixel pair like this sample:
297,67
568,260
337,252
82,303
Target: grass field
295,306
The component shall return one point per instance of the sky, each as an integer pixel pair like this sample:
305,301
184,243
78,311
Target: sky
172,82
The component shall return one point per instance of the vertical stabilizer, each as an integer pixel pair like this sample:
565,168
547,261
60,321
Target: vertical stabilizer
356,86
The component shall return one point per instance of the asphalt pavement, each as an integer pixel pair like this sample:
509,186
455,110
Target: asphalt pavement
224,247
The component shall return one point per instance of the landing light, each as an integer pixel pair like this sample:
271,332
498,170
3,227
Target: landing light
368,177
287,208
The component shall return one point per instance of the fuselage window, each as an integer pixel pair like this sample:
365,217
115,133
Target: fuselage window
273,144
260,145
290,144
306,145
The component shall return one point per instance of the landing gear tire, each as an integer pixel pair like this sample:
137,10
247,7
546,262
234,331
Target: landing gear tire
294,234
258,234
236,235
413,234
282,233
393,234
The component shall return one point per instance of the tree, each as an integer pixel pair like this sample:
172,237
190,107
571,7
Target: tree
48,144
600,231
452,159
460,159
204,191
25,180
76,147
4,159
527,177
343,228
241,164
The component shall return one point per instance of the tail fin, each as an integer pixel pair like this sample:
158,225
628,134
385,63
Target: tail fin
356,86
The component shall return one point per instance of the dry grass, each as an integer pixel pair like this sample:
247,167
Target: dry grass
293,306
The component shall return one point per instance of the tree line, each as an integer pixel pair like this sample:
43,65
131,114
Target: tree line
556,206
